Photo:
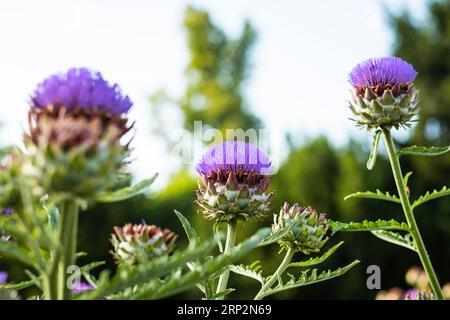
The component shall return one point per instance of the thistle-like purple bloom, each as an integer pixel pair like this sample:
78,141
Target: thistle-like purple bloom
81,287
8,211
382,71
234,156
235,176
411,294
80,89
3,277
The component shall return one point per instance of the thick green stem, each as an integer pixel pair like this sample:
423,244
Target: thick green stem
283,266
65,256
229,244
409,215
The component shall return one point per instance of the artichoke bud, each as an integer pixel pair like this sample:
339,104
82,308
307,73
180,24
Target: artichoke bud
415,294
309,233
135,243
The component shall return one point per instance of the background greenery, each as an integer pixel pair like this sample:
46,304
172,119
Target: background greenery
315,172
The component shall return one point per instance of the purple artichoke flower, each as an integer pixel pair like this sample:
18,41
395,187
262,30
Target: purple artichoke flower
387,71
235,176
81,287
234,156
3,277
8,211
384,93
80,89
416,294
76,122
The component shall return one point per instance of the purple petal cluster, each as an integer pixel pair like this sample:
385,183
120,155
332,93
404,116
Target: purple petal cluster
8,211
382,71
233,156
81,286
3,277
80,88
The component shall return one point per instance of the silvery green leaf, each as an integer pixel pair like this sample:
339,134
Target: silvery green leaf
190,231
150,286
424,151
378,195
280,233
222,294
316,260
366,225
90,266
126,193
253,271
17,286
406,178
20,254
431,196
308,277
126,277
374,151
396,238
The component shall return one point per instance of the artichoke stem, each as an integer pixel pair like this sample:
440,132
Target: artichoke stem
409,215
64,256
229,244
283,266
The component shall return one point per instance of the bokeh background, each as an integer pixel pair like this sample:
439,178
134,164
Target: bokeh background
277,65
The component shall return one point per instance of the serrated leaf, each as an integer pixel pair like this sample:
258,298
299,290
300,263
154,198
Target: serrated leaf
253,271
216,231
177,282
280,233
424,151
378,195
126,193
431,196
374,151
126,277
17,286
91,266
21,254
396,238
366,225
308,277
222,294
406,178
190,231
316,260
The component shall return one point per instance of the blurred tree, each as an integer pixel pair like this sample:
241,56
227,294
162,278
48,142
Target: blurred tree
215,74
426,44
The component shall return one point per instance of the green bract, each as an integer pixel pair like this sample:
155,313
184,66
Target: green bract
232,199
140,242
310,233
76,154
389,107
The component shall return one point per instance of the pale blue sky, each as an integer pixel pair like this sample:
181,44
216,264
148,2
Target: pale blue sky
300,62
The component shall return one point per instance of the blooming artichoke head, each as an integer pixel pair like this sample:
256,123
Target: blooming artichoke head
234,178
76,121
134,243
415,294
384,93
309,232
